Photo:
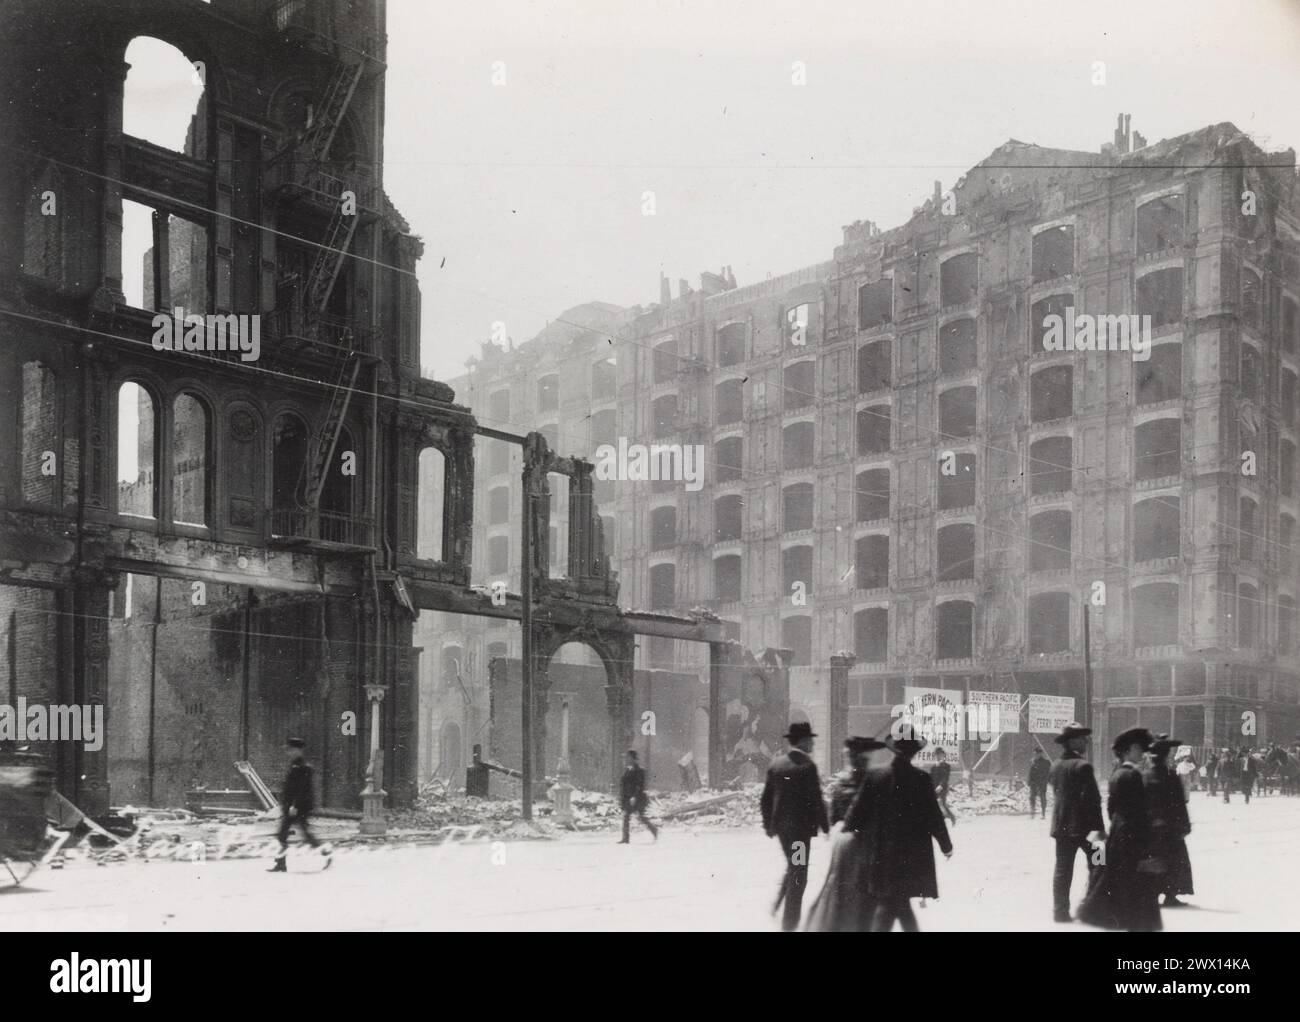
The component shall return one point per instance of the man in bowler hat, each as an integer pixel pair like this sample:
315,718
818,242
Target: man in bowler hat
297,802
1076,813
793,812
632,795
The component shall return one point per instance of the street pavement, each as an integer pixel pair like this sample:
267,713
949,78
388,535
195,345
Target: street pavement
693,878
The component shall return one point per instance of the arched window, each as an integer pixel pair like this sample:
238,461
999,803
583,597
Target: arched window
1158,448
870,562
957,346
1155,614
1247,614
1049,541
727,517
1157,530
796,635
429,506
728,459
956,553
1051,462
871,635
43,227
798,385
726,578
797,566
136,451
957,413
797,507
871,495
288,460
953,630
663,527
959,279
189,461
1049,623
161,100
342,475
797,446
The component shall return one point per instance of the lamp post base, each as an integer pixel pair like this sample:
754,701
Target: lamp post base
372,812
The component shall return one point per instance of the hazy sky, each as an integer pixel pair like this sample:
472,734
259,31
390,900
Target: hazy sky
532,190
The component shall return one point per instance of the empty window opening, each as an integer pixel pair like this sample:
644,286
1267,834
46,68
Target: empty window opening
664,413
161,97
663,528
729,402
663,586
665,361
956,488
604,428
796,325
1155,614
797,566
797,446
956,552
548,393
1252,369
957,413
726,578
876,303
189,461
874,371
1160,225
1158,446
873,429
431,485
164,261
798,385
953,630
1053,253
136,451
1160,296
959,279
728,459
1049,541
1051,394
1157,529
797,507
796,635
1247,614
1160,377
1049,623
727,511
1044,316
871,562
603,380
730,344
958,349
871,635
871,496
1050,465
1252,299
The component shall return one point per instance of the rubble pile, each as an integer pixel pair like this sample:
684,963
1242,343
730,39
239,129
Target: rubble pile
993,795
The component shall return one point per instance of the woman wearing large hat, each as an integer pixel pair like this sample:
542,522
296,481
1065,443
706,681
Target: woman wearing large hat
1124,894
1170,824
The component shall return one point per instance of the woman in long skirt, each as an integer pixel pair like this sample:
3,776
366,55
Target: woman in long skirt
1170,824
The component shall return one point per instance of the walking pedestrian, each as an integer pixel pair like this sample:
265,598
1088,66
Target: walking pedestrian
1227,774
940,774
633,797
1170,825
1125,894
1247,772
897,812
1076,814
297,802
793,812
1040,769
844,905
1212,772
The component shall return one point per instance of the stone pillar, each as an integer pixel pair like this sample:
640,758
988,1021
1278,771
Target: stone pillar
562,791
618,697
718,652
837,727
108,290
372,798
541,701
89,787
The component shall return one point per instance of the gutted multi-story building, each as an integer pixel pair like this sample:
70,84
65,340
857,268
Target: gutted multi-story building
899,467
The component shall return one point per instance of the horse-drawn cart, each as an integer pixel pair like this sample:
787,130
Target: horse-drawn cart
26,783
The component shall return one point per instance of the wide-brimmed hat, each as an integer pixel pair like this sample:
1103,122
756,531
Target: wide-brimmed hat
799,730
1073,730
1163,743
1134,735
904,738
856,744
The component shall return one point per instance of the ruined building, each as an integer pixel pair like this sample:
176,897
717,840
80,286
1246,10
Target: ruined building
222,550
899,469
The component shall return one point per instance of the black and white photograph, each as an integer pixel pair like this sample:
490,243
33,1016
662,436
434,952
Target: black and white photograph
649,467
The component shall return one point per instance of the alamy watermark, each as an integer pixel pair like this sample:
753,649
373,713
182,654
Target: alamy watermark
57,722
637,463
191,332
1085,332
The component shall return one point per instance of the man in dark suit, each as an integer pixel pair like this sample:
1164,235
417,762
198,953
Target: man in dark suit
941,773
1076,813
297,802
632,795
793,812
897,814
1040,769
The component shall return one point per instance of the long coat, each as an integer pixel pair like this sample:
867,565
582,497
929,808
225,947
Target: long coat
1170,824
792,803
896,811
1076,801
843,904
632,789
1121,896
298,787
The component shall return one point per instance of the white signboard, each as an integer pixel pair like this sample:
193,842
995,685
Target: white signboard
938,717
1048,714
1001,711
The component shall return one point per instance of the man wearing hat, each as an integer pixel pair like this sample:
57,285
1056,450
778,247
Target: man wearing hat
1126,894
898,815
793,812
1076,813
297,801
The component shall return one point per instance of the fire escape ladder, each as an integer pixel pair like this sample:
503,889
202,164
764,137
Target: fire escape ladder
326,440
328,263
337,97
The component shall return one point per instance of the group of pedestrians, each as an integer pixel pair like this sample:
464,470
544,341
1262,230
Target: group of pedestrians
885,816
1244,770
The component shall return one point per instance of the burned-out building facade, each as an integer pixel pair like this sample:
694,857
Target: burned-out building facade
222,544
900,469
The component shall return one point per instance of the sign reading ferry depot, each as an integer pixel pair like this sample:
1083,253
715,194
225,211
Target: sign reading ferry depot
1048,714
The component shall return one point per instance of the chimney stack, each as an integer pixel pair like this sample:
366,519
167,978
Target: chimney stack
665,292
